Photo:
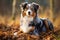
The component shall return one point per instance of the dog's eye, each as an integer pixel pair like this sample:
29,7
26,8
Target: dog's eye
32,9
26,7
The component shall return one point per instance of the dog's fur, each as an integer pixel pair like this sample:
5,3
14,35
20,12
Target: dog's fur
29,19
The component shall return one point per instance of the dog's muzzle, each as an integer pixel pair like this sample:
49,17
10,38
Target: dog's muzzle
29,13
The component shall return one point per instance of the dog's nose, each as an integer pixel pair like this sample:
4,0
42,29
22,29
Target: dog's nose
28,13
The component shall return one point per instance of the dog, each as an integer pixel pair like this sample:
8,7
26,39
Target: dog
29,20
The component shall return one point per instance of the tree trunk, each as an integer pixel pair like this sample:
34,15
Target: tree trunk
13,9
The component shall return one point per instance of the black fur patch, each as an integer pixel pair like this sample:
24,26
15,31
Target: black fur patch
35,6
23,5
42,29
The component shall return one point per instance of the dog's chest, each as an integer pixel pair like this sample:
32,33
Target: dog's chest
25,24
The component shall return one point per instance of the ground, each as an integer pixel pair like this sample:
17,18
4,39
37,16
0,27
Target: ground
6,33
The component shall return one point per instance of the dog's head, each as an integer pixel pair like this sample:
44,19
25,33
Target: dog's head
29,9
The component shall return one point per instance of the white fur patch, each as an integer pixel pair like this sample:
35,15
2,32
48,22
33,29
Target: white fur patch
29,5
25,24
15,33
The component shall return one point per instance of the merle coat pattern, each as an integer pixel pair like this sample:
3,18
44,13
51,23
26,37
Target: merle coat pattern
38,23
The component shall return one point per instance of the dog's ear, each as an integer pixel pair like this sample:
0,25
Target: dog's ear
23,5
36,6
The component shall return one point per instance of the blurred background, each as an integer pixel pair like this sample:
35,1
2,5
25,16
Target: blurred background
10,10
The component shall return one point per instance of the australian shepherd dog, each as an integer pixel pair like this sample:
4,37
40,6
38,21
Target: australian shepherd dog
29,20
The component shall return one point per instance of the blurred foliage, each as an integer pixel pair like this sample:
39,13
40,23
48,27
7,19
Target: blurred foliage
6,5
